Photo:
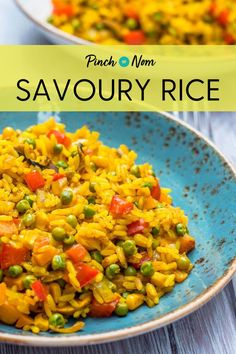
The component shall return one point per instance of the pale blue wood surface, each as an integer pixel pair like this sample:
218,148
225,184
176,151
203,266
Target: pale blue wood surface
210,330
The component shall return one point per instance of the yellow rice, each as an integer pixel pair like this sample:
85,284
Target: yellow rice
97,175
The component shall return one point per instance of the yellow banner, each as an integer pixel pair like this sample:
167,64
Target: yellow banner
118,78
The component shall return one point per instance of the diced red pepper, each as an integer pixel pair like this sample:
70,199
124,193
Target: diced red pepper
8,227
11,255
144,258
76,253
135,37
58,176
102,310
120,206
85,273
229,39
61,8
39,290
60,137
156,191
16,222
223,18
34,180
136,227
213,8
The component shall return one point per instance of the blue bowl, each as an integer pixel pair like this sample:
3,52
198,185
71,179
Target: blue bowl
203,184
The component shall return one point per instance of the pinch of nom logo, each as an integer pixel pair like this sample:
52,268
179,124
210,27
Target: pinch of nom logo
123,61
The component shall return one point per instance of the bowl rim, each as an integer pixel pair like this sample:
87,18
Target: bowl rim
50,28
172,316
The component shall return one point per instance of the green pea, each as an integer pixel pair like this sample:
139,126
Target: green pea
130,271
146,269
147,184
120,243
22,206
121,309
131,23
15,270
61,282
142,291
29,200
89,212
110,285
1,275
50,19
58,262
75,23
74,153
135,171
183,263
157,16
94,6
57,320
72,220
69,240
180,229
66,197
92,187
100,26
91,200
58,233
93,166
57,149
155,244
129,248
153,174
159,206
96,255
125,294
30,141
28,281
155,231
112,270
28,219
62,164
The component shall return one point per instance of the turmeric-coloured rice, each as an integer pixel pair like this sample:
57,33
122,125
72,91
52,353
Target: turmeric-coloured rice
147,21
84,230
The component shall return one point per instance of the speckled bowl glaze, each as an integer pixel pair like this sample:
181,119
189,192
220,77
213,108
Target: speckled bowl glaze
203,184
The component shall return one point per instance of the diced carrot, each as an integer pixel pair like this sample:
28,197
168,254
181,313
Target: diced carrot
45,257
3,289
9,313
76,253
187,243
7,228
149,203
130,12
40,242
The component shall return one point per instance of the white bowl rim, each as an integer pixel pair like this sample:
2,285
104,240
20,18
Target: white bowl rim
52,29
182,311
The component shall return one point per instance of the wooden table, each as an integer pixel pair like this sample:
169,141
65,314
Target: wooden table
210,330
